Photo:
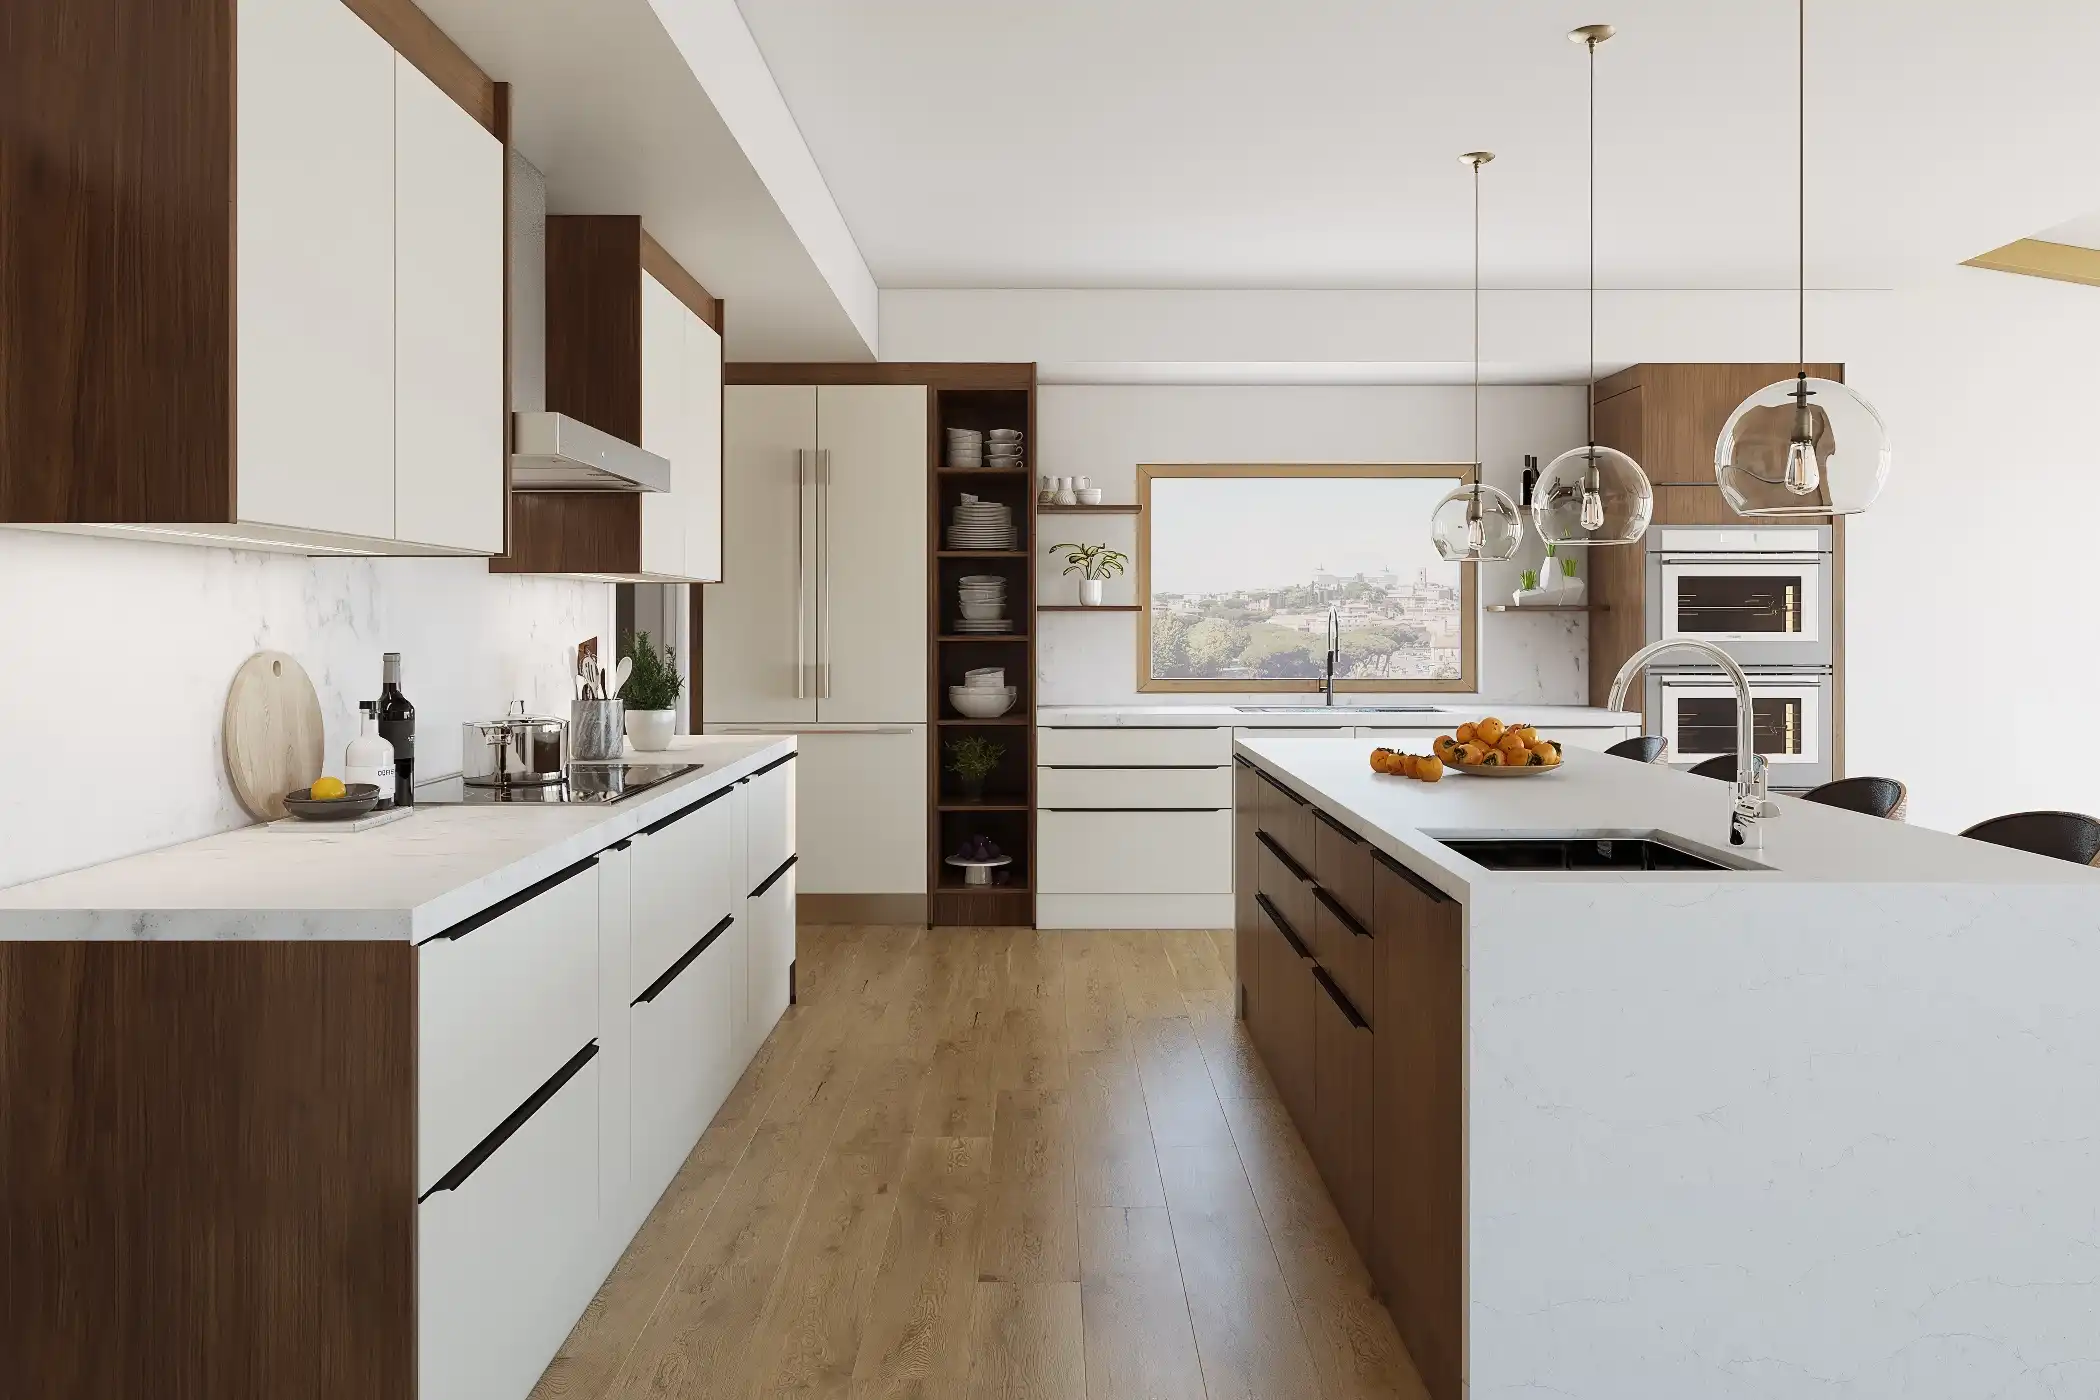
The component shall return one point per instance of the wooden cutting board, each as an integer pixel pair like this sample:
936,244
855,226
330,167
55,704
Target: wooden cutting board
272,733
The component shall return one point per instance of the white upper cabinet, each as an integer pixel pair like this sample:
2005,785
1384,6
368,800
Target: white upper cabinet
702,487
314,281
757,635
448,323
665,426
871,593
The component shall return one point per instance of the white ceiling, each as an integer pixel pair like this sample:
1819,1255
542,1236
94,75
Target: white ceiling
1312,143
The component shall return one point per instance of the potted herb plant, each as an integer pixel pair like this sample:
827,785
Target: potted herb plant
651,693
1095,564
971,759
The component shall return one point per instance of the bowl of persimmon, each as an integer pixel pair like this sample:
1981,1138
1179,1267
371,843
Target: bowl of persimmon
1488,748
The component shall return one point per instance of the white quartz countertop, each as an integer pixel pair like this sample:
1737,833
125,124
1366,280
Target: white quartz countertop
408,879
1436,716
1594,792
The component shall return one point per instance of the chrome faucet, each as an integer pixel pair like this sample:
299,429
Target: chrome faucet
1334,647
1751,804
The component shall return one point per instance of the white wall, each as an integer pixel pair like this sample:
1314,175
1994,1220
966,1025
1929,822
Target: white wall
1104,431
122,652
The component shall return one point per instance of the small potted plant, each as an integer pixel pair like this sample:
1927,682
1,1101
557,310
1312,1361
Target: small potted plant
1572,589
1095,564
651,694
971,759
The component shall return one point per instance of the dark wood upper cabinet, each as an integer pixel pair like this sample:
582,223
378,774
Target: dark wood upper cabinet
251,277
634,348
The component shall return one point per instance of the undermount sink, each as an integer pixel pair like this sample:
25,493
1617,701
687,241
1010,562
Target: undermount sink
1337,709
1603,852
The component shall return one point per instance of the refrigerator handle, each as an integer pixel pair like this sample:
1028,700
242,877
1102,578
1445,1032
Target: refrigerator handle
803,482
824,573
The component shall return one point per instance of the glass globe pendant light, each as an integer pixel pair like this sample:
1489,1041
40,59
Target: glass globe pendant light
1476,521
1592,494
1803,446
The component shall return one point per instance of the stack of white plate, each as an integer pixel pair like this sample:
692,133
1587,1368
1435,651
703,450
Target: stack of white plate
965,447
983,605
1005,447
981,525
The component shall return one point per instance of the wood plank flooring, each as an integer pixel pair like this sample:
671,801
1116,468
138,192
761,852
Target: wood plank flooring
997,1164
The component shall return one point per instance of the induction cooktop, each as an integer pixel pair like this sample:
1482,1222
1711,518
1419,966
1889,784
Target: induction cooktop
600,783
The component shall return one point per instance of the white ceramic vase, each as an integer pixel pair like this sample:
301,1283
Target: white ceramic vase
1090,592
651,730
1571,592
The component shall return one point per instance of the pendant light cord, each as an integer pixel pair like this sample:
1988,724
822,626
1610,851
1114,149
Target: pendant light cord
1479,470
1801,179
1593,243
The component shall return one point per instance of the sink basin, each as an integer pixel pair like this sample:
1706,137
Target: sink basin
1609,852
1337,709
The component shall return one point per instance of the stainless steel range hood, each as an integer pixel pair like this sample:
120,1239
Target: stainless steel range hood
554,452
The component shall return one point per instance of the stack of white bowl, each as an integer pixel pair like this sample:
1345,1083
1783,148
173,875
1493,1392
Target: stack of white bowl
984,694
1005,445
965,447
981,525
983,600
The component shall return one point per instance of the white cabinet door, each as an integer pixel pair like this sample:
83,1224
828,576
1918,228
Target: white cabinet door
771,915
871,585
860,811
664,426
684,875
505,1258
448,321
757,638
1134,852
770,800
682,1068
1150,789
702,486
314,269
1133,748
615,1052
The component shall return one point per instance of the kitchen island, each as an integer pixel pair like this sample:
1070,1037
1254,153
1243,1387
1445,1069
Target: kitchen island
1822,1119
372,1113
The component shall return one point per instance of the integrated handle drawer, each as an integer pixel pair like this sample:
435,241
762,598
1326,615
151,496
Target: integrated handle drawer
1134,748
1344,948
1283,883
1134,852
1133,789
1342,865
1287,819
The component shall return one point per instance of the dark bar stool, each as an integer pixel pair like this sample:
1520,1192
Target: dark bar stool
1721,765
2071,836
1875,797
1642,748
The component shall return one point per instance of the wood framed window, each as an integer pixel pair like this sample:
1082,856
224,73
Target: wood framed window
1239,565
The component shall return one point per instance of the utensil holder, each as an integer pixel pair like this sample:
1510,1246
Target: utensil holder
597,729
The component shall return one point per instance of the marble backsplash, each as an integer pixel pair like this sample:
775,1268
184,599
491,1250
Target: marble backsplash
121,653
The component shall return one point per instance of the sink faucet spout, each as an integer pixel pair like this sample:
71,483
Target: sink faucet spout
1752,806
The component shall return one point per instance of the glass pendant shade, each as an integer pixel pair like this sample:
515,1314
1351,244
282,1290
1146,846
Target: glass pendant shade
1477,522
1785,453
1592,495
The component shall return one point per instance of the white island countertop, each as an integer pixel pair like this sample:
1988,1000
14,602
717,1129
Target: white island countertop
1285,713
408,879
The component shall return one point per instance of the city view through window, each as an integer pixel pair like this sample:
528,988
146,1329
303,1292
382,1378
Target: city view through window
1243,571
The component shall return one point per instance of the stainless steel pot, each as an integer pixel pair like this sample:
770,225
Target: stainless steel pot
519,750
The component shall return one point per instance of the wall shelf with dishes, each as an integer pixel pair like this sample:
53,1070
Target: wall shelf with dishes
1053,509
982,662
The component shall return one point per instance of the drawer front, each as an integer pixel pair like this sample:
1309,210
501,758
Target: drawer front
501,1005
1342,865
1288,820
1203,789
1343,947
1286,891
1134,852
1134,748
1288,992
769,801
683,1040
685,876
507,1259
1341,1140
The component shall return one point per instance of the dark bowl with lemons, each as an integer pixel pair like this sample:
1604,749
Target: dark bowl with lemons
354,800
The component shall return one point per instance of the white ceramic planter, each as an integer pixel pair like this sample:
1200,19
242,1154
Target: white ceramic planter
1090,592
652,730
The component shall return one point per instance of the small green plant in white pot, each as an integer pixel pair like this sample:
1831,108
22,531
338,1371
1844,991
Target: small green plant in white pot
651,694
1095,564
1571,589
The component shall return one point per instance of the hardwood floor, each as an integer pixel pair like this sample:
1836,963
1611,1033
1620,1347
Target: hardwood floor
995,1163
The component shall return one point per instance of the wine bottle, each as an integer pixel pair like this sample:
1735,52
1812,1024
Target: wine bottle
397,725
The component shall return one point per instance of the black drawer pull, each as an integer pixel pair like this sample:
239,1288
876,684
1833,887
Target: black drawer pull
1282,789
685,961
1334,907
1334,994
486,1148
1337,828
1297,871
773,879
1283,926
505,905
682,813
1413,879
762,771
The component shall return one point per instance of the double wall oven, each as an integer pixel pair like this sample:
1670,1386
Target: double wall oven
1763,595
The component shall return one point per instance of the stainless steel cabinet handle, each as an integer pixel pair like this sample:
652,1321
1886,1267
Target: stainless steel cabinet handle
824,573
802,485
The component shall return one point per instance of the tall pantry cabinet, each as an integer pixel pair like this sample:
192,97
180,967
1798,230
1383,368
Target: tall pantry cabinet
819,625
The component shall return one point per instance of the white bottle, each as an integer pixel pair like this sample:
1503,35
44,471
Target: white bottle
370,759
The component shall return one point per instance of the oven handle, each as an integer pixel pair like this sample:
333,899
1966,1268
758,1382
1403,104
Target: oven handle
1776,560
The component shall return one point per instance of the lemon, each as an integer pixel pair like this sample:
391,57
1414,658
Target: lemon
325,788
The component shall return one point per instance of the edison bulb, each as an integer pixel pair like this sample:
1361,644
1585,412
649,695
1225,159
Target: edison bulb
1802,448
1592,495
1476,522
1592,507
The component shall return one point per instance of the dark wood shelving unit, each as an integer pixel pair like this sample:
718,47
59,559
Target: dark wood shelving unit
1088,607
987,396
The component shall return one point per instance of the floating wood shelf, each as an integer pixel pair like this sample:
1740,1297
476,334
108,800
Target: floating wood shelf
965,722
982,471
1000,805
984,554
1088,607
1131,509
986,637
1549,608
